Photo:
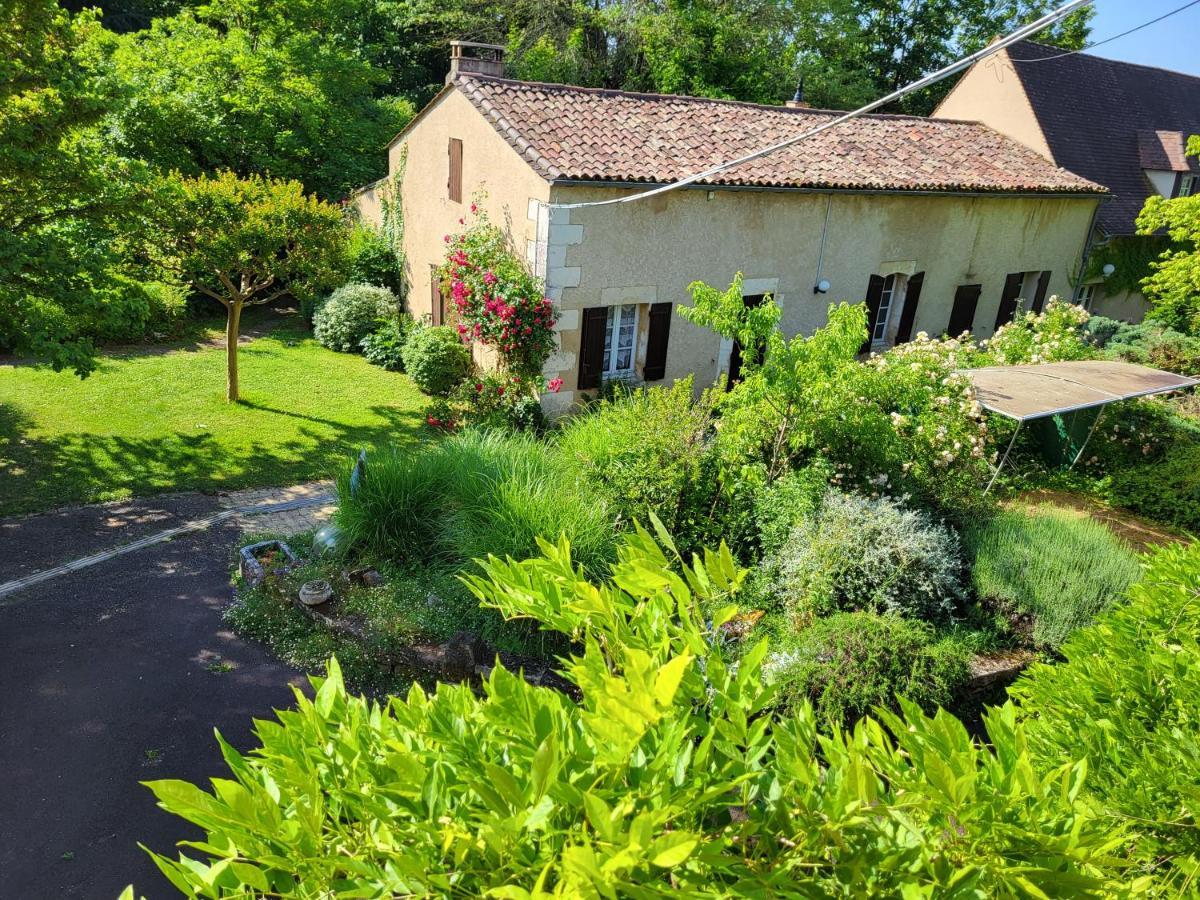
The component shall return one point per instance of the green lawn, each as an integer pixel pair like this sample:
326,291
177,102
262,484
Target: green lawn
153,421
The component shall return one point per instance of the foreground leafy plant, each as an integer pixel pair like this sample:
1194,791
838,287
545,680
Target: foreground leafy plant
668,775
1127,699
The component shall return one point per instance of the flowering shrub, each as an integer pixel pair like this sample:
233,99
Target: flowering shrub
1056,334
351,313
498,302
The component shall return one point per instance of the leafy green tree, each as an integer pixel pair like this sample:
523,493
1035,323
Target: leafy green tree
246,241
262,87
1173,287
64,198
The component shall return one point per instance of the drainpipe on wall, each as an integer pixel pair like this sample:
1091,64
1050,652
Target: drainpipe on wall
1087,252
824,237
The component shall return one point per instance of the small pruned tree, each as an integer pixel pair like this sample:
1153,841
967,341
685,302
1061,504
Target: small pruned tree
247,241
1173,287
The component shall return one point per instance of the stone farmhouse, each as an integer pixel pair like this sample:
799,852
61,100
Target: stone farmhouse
939,225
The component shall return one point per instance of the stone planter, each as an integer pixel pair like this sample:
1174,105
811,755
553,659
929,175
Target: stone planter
257,561
314,593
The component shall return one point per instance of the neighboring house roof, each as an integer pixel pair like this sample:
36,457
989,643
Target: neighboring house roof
1165,151
573,133
1106,119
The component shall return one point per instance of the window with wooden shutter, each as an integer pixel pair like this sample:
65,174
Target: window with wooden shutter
454,182
1010,298
591,346
737,353
962,314
437,302
1039,296
657,334
874,298
911,297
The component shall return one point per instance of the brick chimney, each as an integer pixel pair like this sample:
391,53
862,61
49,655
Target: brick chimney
797,101
469,58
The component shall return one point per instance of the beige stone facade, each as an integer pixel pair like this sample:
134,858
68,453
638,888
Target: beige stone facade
784,242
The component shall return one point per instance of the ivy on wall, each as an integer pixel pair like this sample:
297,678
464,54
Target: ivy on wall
391,213
1130,256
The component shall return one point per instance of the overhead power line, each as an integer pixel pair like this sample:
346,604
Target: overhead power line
1020,34
1109,40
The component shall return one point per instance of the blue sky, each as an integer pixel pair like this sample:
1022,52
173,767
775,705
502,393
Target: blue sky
1170,44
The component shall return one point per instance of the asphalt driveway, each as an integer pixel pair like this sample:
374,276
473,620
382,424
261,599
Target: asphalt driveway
109,676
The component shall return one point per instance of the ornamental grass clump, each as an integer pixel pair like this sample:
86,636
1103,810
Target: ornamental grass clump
475,493
1057,566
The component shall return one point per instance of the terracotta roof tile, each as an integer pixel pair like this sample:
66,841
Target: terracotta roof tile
588,134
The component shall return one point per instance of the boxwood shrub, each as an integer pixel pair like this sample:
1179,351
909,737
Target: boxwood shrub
849,663
436,359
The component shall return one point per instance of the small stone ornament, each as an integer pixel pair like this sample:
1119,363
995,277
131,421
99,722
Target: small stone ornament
314,593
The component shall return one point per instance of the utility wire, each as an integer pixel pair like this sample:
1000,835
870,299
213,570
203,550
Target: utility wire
1020,34
1107,40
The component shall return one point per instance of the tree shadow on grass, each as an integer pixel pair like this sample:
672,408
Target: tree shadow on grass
38,473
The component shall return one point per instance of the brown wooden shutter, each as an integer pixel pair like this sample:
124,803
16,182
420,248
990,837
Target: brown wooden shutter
657,334
437,302
454,183
874,298
962,315
1039,298
591,346
1008,300
912,296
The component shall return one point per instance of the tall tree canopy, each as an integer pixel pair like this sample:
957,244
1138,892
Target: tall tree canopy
1173,286
256,86
65,199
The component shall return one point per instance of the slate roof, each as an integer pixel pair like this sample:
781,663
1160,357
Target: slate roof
573,133
1098,117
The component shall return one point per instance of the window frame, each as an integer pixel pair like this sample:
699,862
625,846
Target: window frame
1087,296
1187,185
612,337
895,287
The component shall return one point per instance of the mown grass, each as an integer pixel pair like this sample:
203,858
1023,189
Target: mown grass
153,421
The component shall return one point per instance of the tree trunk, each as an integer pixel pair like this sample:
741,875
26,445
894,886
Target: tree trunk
232,326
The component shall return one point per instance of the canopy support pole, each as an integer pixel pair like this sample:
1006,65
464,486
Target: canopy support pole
1086,440
1004,458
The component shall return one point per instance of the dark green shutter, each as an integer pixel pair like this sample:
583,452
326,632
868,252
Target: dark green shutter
962,315
437,302
1008,300
874,298
591,346
657,334
1039,299
912,296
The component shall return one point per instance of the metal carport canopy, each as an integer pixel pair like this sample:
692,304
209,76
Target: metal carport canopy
1037,391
